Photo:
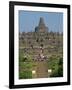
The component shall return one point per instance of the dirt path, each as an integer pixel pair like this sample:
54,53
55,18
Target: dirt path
41,69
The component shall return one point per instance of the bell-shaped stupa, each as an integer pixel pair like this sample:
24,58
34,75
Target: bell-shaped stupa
41,26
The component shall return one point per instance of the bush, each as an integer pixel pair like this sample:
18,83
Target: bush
25,74
25,66
56,64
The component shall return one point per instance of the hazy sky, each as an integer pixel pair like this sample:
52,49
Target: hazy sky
28,20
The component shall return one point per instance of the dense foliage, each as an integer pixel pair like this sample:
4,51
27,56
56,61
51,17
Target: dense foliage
25,66
56,64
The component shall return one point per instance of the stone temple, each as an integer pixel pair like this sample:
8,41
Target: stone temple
41,42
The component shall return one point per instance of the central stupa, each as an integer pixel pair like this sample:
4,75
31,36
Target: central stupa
41,26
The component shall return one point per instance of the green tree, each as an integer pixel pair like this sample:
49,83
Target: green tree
56,64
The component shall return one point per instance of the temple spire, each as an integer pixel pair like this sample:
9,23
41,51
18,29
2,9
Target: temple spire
41,22
41,26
